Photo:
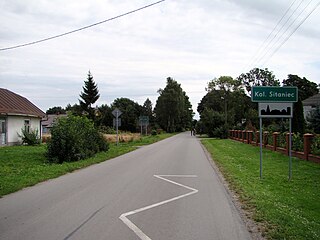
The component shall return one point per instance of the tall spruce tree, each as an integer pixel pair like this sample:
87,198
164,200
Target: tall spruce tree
89,96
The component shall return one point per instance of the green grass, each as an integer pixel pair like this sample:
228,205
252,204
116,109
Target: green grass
286,209
23,166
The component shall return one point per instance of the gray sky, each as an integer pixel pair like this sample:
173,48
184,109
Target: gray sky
190,41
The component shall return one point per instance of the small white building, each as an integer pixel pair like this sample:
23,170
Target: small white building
16,113
310,104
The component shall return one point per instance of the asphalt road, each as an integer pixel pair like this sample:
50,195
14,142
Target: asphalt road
167,190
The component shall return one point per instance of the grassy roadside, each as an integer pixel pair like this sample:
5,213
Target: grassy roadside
23,166
287,210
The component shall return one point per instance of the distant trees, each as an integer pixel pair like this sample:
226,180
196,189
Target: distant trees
258,77
89,96
130,113
56,110
173,109
306,89
225,105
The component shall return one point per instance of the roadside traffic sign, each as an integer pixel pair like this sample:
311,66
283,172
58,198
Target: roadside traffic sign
116,112
274,94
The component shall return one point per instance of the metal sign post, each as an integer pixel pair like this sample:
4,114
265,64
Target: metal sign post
275,102
116,112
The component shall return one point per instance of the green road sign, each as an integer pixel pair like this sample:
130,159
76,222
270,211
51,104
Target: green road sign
274,94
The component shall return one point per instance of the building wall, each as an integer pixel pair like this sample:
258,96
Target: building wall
16,123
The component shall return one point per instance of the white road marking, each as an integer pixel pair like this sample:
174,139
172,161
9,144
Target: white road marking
137,230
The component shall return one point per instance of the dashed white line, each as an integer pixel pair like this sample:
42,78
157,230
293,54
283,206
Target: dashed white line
137,230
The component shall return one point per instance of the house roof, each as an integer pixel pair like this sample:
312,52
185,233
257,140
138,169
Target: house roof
14,104
312,101
50,119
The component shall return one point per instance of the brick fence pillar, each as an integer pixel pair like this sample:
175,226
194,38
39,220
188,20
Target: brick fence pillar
257,138
244,134
275,140
249,136
265,138
307,141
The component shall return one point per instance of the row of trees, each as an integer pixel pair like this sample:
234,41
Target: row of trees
172,112
227,103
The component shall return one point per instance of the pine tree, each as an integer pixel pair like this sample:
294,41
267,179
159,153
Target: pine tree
89,95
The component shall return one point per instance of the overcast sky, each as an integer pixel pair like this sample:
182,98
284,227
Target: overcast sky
192,41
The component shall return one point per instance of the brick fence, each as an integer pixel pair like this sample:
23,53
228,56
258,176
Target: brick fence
248,137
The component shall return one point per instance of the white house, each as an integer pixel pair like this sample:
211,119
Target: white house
16,113
310,104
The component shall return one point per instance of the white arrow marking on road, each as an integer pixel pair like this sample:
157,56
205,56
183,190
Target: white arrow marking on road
137,230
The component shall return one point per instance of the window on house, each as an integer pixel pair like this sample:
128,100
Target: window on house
2,131
27,125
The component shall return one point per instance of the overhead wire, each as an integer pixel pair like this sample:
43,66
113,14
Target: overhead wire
82,28
265,50
292,32
257,53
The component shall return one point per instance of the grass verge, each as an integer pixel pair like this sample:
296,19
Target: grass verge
23,166
286,210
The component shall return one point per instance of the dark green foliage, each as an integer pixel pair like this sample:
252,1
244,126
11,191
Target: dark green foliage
173,109
315,147
258,77
298,121
89,96
306,88
130,113
154,132
221,132
314,120
211,122
56,110
30,137
297,142
74,138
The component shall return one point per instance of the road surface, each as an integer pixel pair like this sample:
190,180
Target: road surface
167,190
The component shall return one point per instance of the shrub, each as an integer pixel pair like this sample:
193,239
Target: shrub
154,132
30,137
297,142
74,138
221,132
315,147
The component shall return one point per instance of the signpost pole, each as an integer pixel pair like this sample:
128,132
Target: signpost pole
260,148
290,146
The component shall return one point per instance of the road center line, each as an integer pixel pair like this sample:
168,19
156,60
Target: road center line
137,230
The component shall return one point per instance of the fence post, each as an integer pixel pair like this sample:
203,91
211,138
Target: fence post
249,134
265,138
244,133
257,138
275,140
307,140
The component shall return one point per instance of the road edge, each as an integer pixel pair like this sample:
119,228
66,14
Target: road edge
250,224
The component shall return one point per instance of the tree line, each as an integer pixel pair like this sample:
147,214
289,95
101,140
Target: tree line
228,104
172,111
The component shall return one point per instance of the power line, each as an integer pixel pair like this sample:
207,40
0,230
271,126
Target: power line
82,28
294,30
257,53
283,33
